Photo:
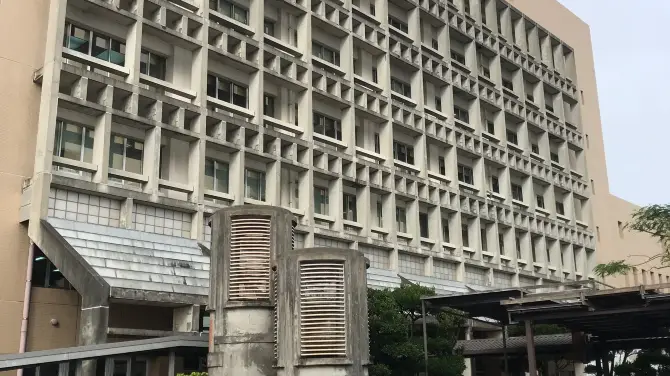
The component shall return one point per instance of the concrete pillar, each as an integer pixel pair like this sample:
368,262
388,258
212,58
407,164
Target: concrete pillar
186,319
93,324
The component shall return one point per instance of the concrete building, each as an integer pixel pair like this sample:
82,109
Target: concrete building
457,143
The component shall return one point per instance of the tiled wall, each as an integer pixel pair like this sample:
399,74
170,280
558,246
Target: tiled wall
444,270
161,221
379,258
411,264
84,207
476,276
327,242
501,280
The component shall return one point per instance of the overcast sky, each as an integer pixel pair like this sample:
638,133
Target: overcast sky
632,55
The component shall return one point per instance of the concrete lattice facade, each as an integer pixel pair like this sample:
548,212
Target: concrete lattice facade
354,115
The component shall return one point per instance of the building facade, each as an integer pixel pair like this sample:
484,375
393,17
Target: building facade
457,143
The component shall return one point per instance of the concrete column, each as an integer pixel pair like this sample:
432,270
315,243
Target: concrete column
134,46
186,319
93,324
151,163
102,136
530,348
126,220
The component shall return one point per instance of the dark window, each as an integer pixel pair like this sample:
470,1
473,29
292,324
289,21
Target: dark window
374,75
372,9
559,208
517,192
216,175
465,235
458,57
403,152
548,255
461,114
466,6
327,126
401,219
507,84
532,250
102,47
441,165
482,9
530,97
512,137
495,184
517,240
484,240
445,230
501,243
269,27
269,105
401,88
325,53
465,174
227,91
321,200
438,103
254,182
435,44
45,274
554,157
232,10
153,65
535,148
377,143
423,225
490,127
540,201
349,206
400,25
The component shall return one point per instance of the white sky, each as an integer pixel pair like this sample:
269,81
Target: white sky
632,57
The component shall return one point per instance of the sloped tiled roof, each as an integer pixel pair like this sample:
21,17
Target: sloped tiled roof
495,345
131,259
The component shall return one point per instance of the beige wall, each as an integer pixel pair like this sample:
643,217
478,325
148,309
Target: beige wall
22,32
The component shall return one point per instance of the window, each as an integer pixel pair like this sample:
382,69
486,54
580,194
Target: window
535,148
554,157
532,250
269,105
466,6
374,75
327,126
540,201
377,143
372,9
548,256
512,137
153,65
484,64
484,240
45,274
73,142
508,84
445,230
126,154
461,114
227,91
458,57
435,44
325,53
400,25
269,27
94,44
401,219
574,259
517,240
423,225
254,184
465,235
559,208
232,10
490,127
403,153
401,88
438,103
517,192
495,184
216,175
380,214
501,243
482,9
321,200
530,97
465,174
562,259
349,206
441,165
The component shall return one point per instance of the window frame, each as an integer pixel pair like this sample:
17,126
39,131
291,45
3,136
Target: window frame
215,182
337,125
401,219
347,200
405,87
517,192
408,152
398,24
465,171
321,201
86,133
424,230
221,82
319,50
461,114
126,139
162,59
91,36
261,184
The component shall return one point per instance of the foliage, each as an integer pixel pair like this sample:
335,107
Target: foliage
193,374
539,329
650,362
396,334
653,220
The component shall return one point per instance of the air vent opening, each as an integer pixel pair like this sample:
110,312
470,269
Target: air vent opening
249,258
322,309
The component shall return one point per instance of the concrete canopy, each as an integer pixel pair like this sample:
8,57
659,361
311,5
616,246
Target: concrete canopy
128,264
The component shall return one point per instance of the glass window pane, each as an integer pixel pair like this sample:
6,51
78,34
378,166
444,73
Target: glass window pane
71,144
221,176
157,66
100,47
88,145
134,152
144,62
211,85
117,54
239,95
116,152
209,174
79,39
224,91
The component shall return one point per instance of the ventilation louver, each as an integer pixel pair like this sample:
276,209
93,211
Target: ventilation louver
249,258
322,309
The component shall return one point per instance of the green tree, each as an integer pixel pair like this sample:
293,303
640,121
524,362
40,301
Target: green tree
653,220
396,334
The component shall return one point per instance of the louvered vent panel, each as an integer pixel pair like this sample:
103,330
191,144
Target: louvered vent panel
249,259
322,309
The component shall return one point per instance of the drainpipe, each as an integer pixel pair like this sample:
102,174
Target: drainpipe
26,304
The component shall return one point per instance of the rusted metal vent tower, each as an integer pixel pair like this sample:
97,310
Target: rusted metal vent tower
322,315
246,241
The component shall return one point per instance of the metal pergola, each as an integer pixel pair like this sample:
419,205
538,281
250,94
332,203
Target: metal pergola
611,319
